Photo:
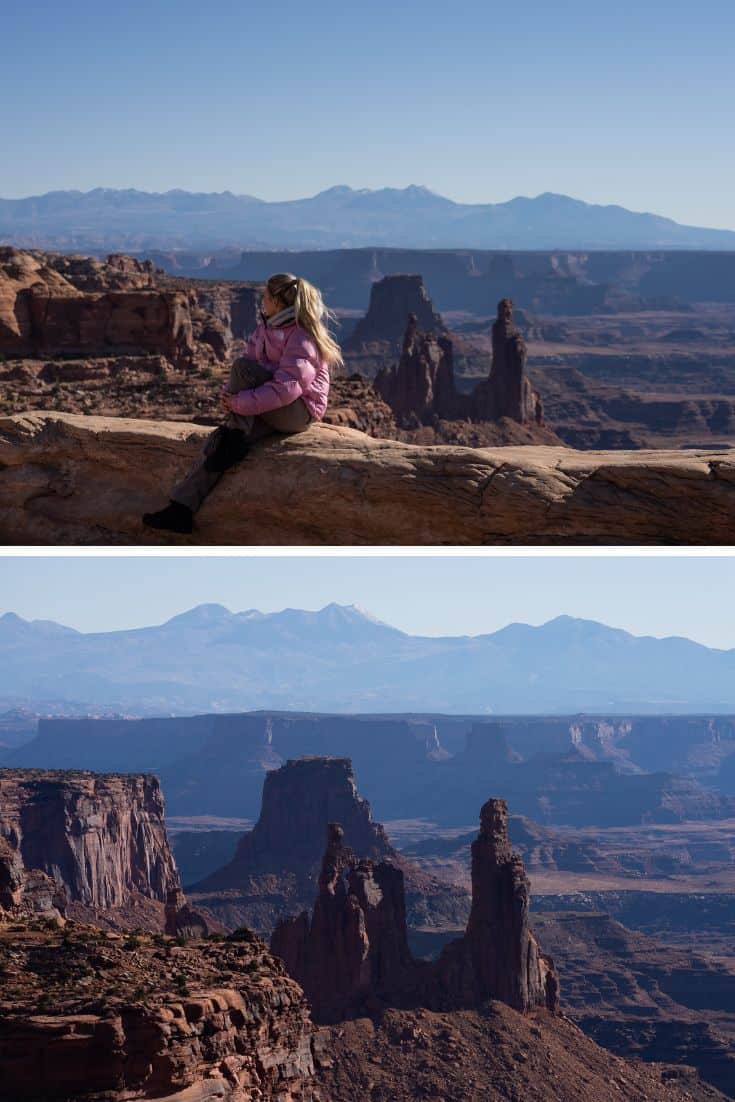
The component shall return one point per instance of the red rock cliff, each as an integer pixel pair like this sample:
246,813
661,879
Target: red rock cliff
100,837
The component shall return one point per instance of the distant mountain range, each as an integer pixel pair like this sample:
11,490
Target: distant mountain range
108,219
342,660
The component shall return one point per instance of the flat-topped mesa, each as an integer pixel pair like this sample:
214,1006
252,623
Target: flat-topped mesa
508,391
100,838
278,866
298,800
392,300
504,958
421,386
354,948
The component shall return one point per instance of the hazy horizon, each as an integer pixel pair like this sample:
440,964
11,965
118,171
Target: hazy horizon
579,101
692,597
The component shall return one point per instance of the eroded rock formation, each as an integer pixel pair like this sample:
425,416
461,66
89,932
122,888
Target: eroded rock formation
99,838
27,893
43,312
498,957
421,388
353,948
69,479
276,868
508,391
392,299
352,954
93,1016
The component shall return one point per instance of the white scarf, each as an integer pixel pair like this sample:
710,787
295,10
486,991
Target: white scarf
283,317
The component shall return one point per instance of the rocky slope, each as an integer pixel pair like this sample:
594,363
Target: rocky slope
100,839
97,1016
642,999
275,869
493,1055
66,479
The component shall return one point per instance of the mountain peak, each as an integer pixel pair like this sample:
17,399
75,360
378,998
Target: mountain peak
200,614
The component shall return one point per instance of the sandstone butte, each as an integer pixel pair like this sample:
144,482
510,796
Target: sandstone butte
73,479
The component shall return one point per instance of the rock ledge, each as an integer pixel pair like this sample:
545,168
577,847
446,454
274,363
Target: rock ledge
71,479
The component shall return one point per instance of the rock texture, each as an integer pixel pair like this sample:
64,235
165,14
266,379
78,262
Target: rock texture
492,1055
421,386
99,838
276,868
353,951
96,1017
42,311
27,893
353,948
498,957
66,479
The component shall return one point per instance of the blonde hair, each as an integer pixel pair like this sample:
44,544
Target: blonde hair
310,311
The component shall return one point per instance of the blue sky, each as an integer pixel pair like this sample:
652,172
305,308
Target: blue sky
626,102
692,596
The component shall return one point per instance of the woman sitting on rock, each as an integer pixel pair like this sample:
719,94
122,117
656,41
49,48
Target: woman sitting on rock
280,385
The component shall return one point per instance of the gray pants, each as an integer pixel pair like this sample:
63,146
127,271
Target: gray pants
245,375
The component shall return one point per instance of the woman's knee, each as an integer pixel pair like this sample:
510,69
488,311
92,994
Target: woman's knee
246,374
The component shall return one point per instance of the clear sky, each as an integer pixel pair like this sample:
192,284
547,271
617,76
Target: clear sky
445,595
628,102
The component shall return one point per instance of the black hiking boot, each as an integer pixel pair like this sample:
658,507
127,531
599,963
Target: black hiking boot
174,518
231,446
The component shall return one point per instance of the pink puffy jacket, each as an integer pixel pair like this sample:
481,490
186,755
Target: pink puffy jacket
297,369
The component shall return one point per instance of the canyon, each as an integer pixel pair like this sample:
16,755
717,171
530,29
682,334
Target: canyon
555,770
122,337
116,1008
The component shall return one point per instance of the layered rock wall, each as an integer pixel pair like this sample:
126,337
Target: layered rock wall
85,1016
100,838
43,312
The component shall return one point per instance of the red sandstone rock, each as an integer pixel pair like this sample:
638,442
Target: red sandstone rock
498,957
353,952
99,1018
44,311
508,391
421,386
100,837
354,948
26,893
420,389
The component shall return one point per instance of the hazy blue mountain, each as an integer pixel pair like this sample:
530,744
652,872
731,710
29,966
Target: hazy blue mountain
340,217
341,659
